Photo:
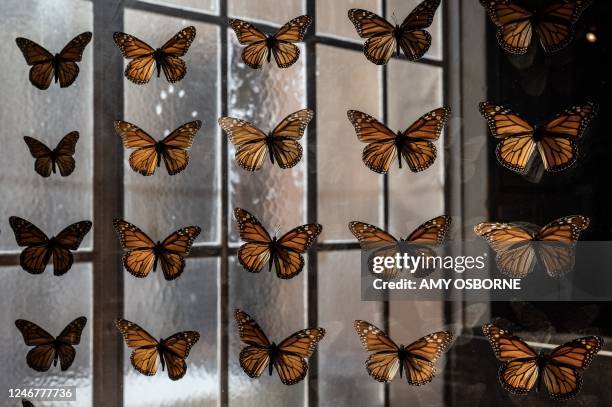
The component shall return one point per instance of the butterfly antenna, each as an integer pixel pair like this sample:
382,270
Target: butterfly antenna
276,230
394,18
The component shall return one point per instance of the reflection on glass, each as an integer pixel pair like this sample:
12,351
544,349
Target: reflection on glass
266,10
204,5
187,198
332,18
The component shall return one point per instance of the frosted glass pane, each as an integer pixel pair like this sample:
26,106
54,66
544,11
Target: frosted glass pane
278,307
425,189
266,10
264,97
348,190
164,308
402,8
332,16
342,357
187,198
45,115
204,5
52,303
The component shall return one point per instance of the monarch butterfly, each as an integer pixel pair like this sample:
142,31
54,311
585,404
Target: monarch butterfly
47,349
555,140
523,369
61,67
149,152
142,253
429,234
288,357
553,23
61,156
260,47
40,248
285,253
383,39
517,254
148,352
414,144
416,359
281,143
145,59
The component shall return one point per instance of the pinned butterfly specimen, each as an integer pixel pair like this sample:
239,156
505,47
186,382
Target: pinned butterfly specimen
384,39
288,357
421,242
60,67
415,360
61,157
148,351
281,45
554,23
48,349
414,144
520,246
555,140
142,253
523,369
281,144
150,152
40,248
145,60
285,253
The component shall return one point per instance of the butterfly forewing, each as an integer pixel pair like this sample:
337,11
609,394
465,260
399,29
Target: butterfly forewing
249,331
175,350
381,43
177,246
43,164
381,149
145,356
556,28
506,346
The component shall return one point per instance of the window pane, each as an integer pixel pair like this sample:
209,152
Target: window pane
164,308
266,10
45,115
52,303
278,307
204,5
348,190
401,9
341,355
332,16
264,97
414,197
158,108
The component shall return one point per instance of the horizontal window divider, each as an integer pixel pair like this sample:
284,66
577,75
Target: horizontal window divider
12,259
333,246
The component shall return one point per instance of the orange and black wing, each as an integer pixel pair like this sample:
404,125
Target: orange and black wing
145,158
41,61
140,257
381,43
70,336
255,357
285,148
69,239
250,142
175,350
384,361
514,25
558,239
67,70
413,39
142,65
145,356
175,248
171,62
381,149
43,164
64,153
255,253
422,354
423,240
285,53
41,355
291,364
176,145
417,147
556,24
379,242
288,260
36,255
256,50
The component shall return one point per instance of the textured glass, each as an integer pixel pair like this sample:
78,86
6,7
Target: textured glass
343,379
278,307
348,190
45,115
162,203
204,5
332,16
264,97
414,197
266,10
164,308
51,303
401,9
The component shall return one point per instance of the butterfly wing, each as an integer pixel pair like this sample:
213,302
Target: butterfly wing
250,142
139,257
291,365
173,66
145,158
35,257
422,354
284,52
255,357
423,239
256,50
145,355
381,43
176,145
66,241
285,148
176,247
41,356
67,69
381,149
381,243
255,253
140,69
514,27
40,60
556,26
43,164
383,363
175,350
558,239
417,148
71,335
288,260
413,39
64,153
558,148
